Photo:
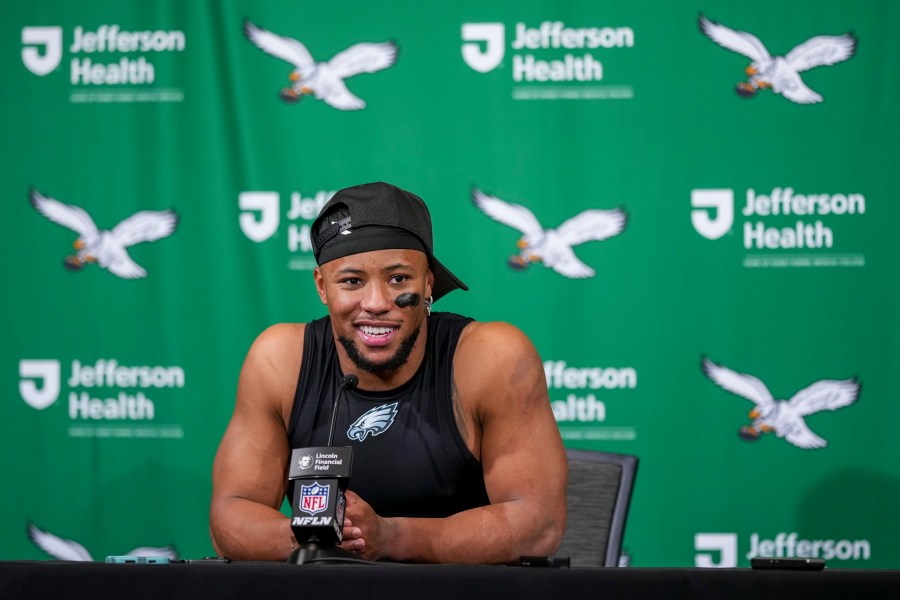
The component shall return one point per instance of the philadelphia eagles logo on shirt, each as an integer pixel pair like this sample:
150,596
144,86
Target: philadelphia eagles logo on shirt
375,421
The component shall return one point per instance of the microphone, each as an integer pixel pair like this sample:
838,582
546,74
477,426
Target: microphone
320,475
349,382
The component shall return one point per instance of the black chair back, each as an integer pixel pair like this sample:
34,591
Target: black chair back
599,494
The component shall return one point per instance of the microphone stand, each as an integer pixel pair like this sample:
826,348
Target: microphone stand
328,470
311,552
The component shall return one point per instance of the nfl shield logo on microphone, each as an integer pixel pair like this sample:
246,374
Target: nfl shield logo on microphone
313,498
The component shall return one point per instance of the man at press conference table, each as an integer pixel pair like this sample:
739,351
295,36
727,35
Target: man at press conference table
465,463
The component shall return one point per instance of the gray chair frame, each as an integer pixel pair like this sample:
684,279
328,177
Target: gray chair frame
576,533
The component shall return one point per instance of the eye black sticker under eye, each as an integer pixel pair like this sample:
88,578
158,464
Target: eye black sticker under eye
407,299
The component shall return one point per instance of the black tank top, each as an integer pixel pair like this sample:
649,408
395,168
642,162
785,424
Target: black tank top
409,458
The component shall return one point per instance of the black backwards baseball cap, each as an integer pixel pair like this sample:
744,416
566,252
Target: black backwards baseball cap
378,216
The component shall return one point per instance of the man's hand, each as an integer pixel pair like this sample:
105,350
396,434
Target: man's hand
363,529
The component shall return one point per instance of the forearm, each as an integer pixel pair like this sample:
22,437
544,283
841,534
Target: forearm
245,530
497,533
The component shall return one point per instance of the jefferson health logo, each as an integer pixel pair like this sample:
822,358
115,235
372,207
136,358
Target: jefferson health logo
323,80
261,220
580,414
106,399
106,248
720,550
784,227
552,247
784,418
781,74
552,60
107,64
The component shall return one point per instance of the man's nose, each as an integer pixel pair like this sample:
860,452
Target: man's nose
376,299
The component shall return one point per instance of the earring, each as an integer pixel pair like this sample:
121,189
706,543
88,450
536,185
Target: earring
428,302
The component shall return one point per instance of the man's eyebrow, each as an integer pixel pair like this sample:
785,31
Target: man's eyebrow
358,271
397,266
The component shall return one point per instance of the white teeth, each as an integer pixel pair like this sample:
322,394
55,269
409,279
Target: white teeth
375,330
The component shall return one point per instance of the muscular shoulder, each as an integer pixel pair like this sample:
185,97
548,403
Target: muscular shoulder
279,338
496,356
270,371
278,348
493,343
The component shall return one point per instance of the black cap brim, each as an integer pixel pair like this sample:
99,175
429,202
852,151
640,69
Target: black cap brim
444,281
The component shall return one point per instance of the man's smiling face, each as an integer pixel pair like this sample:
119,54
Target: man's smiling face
376,335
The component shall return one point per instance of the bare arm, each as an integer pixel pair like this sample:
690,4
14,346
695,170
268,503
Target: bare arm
507,422
250,469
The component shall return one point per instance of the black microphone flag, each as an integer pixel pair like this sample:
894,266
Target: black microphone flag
320,475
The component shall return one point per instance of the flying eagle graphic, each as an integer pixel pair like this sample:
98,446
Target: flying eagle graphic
63,549
553,247
106,248
324,80
781,74
784,418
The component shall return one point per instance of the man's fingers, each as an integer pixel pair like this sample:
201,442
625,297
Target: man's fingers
354,545
351,533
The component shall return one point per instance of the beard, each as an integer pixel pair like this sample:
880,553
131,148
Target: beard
391,365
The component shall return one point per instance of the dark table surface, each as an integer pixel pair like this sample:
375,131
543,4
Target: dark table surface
56,580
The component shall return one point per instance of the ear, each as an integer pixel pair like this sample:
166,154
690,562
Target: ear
429,283
320,285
